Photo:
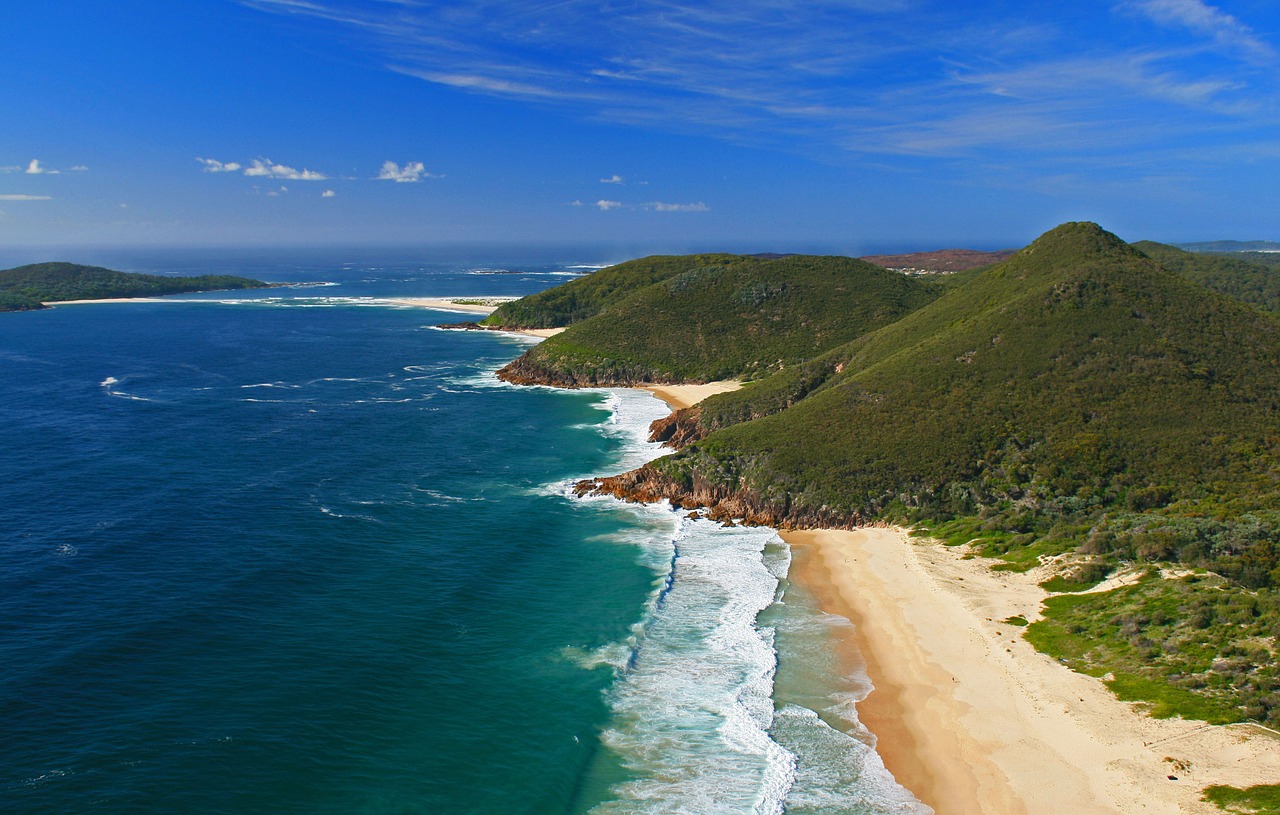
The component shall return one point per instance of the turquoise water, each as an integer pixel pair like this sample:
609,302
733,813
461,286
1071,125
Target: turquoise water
299,551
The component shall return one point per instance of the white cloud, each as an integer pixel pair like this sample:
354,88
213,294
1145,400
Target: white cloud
266,168
605,206
212,165
577,203
613,179
34,168
12,197
79,168
659,206
328,194
412,171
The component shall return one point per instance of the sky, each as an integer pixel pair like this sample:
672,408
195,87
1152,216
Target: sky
851,126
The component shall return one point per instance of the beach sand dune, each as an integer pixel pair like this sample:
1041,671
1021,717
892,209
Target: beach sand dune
972,719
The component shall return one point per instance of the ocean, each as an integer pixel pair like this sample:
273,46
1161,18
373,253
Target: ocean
298,551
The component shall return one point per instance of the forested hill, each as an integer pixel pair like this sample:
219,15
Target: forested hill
29,287
587,296
711,317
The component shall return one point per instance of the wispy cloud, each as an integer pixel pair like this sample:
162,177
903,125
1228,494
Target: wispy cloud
613,179
266,168
658,206
214,166
19,197
1209,21
412,171
841,80
34,168
605,206
328,194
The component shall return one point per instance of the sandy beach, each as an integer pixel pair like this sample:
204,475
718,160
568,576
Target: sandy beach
972,719
110,300
683,396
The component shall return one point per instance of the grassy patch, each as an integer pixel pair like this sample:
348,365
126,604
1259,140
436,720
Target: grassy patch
1166,701
1259,800
1199,647
1017,620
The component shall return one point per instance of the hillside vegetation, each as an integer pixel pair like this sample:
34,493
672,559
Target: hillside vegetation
1076,400
587,296
726,317
29,287
1246,278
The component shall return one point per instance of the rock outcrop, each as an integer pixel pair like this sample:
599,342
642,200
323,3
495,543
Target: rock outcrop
647,485
678,429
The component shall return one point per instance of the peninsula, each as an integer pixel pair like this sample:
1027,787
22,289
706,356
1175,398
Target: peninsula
31,287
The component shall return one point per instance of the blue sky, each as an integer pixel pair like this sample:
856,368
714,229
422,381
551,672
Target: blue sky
849,126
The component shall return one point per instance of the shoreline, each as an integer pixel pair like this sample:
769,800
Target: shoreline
971,719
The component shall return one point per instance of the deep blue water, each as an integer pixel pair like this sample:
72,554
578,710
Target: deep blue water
299,551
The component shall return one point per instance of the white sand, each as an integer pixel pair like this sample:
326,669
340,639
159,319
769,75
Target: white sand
974,720
112,300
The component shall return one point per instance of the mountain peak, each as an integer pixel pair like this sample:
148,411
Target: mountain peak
1076,238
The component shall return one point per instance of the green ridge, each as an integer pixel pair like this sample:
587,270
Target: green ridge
1247,280
587,296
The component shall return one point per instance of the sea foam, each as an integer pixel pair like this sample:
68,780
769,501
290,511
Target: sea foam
692,706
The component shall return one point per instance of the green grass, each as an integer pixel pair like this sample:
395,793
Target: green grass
1259,800
1165,701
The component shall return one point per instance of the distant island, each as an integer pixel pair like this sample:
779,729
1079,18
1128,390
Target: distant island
31,287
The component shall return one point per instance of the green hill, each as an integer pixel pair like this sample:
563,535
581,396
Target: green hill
726,316
28,287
